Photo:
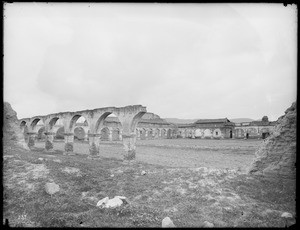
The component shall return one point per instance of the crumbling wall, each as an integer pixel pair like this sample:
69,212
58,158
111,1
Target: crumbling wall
11,131
277,155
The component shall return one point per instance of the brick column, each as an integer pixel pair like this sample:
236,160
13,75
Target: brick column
49,140
129,141
94,142
69,142
31,139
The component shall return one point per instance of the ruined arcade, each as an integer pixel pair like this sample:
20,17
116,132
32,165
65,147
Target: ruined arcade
128,117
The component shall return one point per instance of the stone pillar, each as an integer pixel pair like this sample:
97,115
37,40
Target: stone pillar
129,141
139,135
86,137
193,134
94,142
120,135
69,141
110,135
49,140
31,139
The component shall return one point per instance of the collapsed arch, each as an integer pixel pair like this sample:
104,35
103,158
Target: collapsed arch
73,121
100,122
136,120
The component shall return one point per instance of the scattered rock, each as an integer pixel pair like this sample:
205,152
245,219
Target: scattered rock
167,223
289,219
286,215
113,203
207,224
171,209
72,170
102,202
57,160
7,156
112,175
143,173
51,188
41,159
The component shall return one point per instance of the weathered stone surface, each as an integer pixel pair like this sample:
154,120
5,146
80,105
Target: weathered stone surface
286,215
113,203
167,223
277,155
69,147
207,224
11,130
57,160
51,188
102,202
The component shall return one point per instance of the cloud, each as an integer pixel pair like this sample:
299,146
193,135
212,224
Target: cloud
181,60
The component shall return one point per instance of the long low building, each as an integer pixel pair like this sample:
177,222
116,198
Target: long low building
151,126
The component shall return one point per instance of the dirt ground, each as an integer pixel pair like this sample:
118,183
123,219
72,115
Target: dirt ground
188,185
221,154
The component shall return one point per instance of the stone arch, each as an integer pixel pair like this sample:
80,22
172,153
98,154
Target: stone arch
157,133
217,133
198,133
104,134
52,123
99,123
73,121
33,124
143,133
169,133
24,129
150,133
207,133
116,134
163,133
41,133
136,120
79,133
59,134
239,133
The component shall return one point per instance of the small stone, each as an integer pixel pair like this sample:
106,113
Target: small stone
112,175
286,215
41,159
124,199
57,160
167,223
102,201
207,224
143,173
51,188
113,203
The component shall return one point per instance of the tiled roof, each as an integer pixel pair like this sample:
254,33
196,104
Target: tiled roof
221,120
151,121
259,123
154,121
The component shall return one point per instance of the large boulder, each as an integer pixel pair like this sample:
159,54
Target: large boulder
11,130
276,157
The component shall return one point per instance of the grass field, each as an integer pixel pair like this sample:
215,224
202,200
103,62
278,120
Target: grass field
191,181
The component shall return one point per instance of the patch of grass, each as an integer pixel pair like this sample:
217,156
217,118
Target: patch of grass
188,196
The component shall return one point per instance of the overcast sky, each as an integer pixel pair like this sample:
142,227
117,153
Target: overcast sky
178,60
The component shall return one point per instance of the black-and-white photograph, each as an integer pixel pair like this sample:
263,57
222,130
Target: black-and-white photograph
144,115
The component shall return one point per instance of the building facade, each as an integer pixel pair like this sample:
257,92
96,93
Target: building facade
151,126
